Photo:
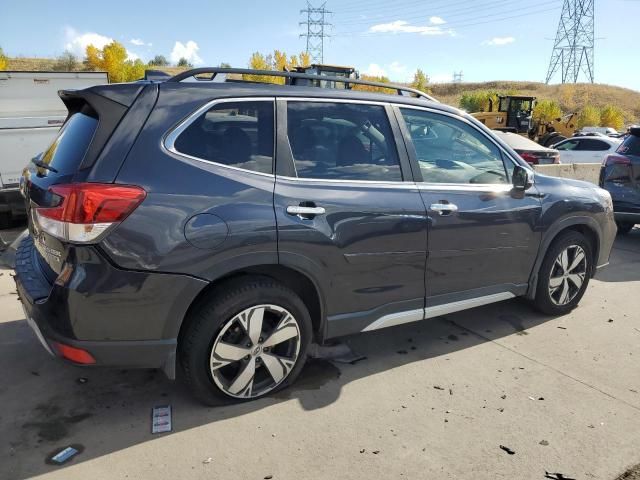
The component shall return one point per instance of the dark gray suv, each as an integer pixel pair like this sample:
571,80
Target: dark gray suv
224,226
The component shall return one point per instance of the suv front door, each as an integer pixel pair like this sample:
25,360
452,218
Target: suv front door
482,235
348,212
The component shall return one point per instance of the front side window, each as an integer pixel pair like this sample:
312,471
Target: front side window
237,134
450,151
570,145
342,141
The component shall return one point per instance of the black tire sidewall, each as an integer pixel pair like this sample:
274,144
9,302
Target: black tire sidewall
543,300
213,315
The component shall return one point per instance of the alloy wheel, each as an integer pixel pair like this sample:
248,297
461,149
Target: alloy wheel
568,274
255,351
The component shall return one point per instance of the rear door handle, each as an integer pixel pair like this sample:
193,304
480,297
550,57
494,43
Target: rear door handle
305,212
443,208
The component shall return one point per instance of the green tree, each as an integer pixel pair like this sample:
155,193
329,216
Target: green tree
158,61
67,62
224,65
183,62
546,110
3,60
420,81
589,116
480,101
612,116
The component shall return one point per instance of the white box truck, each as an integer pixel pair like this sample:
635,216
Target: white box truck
31,113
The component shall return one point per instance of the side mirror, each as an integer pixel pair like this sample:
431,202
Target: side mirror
522,178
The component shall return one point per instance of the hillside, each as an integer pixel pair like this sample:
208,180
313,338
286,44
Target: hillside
571,97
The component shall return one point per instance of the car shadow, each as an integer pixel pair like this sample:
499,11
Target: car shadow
48,404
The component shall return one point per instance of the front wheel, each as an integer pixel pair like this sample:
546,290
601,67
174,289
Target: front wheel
564,274
246,342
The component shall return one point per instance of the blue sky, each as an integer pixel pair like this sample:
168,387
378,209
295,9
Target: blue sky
485,39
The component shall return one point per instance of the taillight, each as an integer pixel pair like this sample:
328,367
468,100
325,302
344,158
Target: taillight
616,160
530,158
87,210
76,355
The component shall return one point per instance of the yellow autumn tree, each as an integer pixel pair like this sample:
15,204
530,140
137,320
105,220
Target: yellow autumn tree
112,58
612,116
420,81
277,61
589,116
546,110
3,60
370,88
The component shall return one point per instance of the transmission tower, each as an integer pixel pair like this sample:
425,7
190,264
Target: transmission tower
573,47
316,24
457,77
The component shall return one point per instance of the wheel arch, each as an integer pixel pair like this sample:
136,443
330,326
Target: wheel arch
587,226
302,284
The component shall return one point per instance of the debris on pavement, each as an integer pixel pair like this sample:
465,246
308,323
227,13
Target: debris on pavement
350,360
508,450
450,391
82,380
375,452
562,328
438,387
610,320
362,450
503,396
63,455
402,352
161,419
268,477
557,476
544,443
208,460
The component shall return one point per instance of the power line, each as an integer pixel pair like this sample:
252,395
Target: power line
573,48
464,23
315,30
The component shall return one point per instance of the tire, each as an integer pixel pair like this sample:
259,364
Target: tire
225,358
624,227
550,294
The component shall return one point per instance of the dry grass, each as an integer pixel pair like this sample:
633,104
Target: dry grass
47,64
571,97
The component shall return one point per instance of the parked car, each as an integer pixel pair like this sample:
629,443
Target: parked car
620,176
583,149
223,227
606,131
531,152
30,116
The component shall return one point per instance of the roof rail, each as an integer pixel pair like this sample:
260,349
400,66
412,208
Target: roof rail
400,89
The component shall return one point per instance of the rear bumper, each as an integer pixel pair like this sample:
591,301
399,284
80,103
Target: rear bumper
108,312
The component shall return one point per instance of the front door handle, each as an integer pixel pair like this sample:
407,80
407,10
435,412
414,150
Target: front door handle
443,208
305,212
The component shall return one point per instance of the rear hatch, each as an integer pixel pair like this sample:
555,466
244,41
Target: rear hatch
620,173
53,182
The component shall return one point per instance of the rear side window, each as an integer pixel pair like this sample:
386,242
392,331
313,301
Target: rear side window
630,146
593,145
67,151
570,145
342,141
236,134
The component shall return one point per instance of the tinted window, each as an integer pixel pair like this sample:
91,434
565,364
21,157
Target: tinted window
450,151
630,146
570,145
342,141
238,134
593,145
68,149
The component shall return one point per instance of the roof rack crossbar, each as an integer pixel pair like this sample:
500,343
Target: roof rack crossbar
402,90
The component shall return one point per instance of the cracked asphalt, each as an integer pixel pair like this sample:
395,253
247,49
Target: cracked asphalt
435,399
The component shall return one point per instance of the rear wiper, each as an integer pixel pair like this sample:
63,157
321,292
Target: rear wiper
39,163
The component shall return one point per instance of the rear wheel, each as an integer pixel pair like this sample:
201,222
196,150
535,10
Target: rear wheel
564,275
245,343
624,227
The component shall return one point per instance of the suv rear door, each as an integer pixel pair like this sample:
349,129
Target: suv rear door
348,212
482,235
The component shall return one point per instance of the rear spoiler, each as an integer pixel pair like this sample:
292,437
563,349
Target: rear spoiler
108,103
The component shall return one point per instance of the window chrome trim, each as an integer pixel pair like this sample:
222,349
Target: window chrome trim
168,141
435,311
409,184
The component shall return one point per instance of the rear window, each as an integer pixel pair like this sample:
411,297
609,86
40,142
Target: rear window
630,146
67,151
236,134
